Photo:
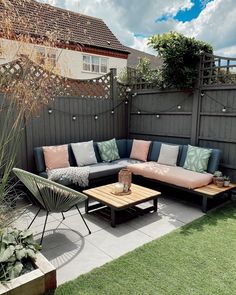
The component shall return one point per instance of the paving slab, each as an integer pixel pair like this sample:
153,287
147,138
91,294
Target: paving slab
118,241
69,247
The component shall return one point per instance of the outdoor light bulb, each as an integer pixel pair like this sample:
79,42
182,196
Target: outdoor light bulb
179,107
74,118
126,102
112,112
128,89
224,109
158,116
139,112
202,94
50,111
96,117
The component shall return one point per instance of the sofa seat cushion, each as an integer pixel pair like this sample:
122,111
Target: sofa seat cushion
108,169
171,174
101,170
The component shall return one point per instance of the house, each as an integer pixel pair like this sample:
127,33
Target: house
135,55
84,48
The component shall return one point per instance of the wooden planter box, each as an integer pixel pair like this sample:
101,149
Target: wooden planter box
38,281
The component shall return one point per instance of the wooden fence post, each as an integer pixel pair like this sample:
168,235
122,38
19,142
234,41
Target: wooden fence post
114,95
196,108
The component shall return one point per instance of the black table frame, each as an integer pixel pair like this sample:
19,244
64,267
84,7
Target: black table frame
115,210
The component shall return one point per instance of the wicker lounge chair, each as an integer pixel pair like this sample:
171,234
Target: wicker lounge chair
50,196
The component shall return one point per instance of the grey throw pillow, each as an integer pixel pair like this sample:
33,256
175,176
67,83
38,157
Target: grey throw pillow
168,154
84,153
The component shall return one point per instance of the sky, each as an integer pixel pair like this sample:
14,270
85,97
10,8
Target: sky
133,21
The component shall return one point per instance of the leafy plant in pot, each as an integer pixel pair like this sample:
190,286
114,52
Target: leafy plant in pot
17,253
216,175
220,181
226,180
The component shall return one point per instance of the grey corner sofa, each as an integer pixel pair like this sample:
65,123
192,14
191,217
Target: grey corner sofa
108,171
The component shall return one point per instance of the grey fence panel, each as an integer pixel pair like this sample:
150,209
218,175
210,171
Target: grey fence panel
217,126
60,127
162,114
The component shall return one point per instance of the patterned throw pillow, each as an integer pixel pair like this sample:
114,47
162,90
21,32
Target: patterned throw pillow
197,159
108,150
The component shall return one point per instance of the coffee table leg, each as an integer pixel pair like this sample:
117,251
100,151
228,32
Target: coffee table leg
155,204
87,205
113,218
204,204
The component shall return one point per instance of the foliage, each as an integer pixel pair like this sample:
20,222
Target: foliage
218,174
181,56
16,247
226,178
23,93
143,72
123,77
149,75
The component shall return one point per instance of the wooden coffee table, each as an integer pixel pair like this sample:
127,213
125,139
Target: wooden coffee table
104,196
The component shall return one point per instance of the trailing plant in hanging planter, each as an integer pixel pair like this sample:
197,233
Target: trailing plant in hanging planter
181,56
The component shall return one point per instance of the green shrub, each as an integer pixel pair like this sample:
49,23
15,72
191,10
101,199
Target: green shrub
17,249
147,74
181,56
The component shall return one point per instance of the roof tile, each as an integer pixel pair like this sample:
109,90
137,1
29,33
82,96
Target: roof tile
69,26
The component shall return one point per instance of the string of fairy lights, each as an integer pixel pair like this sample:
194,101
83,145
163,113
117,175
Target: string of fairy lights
96,115
136,110
225,107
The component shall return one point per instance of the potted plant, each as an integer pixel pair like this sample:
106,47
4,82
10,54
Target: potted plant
22,267
226,180
216,175
220,181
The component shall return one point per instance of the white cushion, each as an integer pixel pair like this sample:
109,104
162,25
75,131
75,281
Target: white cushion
168,154
84,153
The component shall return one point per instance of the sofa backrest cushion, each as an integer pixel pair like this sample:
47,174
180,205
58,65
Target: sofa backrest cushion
56,156
168,154
140,149
84,153
129,144
155,151
213,162
40,161
122,148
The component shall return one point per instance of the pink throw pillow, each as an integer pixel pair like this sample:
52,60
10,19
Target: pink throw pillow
140,149
56,156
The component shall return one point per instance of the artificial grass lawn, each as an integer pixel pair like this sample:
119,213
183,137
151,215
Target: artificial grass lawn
198,259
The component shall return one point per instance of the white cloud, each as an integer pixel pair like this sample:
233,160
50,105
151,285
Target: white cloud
216,23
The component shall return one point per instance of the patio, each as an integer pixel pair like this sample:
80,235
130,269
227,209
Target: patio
140,114
73,252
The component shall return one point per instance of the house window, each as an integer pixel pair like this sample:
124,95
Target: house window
46,56
51,57
40,55
86,63
103,65
95,64
2,53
